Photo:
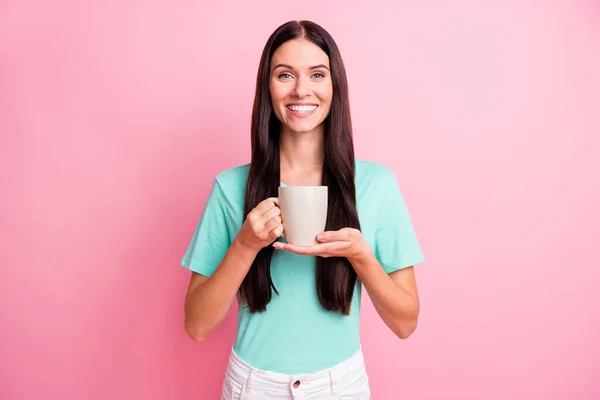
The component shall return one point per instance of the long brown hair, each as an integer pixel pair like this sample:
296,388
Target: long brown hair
336,279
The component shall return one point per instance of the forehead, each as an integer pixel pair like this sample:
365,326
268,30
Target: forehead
300,54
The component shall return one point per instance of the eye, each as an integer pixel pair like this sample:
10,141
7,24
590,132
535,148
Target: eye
318,75
285,76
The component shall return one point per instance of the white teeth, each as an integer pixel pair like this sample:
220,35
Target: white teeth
302,109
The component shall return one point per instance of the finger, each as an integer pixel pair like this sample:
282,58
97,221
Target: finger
264,206
334,236
316,250
272,212
276,232
273,223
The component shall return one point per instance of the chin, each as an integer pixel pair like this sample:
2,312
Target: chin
302,129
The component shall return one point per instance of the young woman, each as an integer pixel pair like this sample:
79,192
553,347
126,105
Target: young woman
299,307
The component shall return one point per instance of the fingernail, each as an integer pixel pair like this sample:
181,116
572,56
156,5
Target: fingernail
320,236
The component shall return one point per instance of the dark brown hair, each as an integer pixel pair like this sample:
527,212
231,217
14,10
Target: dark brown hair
336,279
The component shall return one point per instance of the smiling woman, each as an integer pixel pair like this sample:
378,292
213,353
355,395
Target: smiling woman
298,320
300,90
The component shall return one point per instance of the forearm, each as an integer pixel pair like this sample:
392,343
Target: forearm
208,304
398,308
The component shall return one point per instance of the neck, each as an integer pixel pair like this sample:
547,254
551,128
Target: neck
302,151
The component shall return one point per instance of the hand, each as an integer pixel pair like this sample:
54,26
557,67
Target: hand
347,242
261,227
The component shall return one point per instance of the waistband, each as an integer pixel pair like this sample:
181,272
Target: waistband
250,377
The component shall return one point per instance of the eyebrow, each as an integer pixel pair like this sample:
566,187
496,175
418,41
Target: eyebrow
290,67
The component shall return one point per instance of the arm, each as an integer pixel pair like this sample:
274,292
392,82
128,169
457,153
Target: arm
394,296
208,300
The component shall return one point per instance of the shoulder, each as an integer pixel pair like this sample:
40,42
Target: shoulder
371,173
229,192
229,186
233,178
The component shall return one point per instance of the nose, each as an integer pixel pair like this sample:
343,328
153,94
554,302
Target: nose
301,89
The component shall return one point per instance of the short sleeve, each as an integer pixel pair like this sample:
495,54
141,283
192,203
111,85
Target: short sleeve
396,244
211,239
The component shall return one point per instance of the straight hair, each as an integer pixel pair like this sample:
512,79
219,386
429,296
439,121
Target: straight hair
335,276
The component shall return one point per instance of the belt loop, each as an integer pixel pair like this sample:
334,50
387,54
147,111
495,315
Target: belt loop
249,380
332,383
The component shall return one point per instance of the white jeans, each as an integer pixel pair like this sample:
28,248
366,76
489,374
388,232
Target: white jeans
347,380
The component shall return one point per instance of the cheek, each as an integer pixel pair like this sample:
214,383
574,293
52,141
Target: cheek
277,93
277,103
326,102
325,95
275,99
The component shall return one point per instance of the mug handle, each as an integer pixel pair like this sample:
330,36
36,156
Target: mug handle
276,201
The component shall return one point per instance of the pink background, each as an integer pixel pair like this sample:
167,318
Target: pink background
116,117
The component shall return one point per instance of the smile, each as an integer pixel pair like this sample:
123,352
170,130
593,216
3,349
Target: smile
300,110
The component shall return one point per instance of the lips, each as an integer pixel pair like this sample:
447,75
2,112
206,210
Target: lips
301,110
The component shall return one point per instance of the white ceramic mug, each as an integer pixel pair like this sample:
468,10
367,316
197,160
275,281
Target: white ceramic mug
303,213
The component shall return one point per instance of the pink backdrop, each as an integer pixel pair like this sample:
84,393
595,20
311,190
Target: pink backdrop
116,117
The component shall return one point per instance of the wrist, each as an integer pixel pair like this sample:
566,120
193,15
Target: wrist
243,249
363,256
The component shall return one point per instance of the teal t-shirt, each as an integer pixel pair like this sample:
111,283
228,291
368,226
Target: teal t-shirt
295,335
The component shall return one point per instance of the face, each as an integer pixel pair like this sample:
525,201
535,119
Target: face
300,85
